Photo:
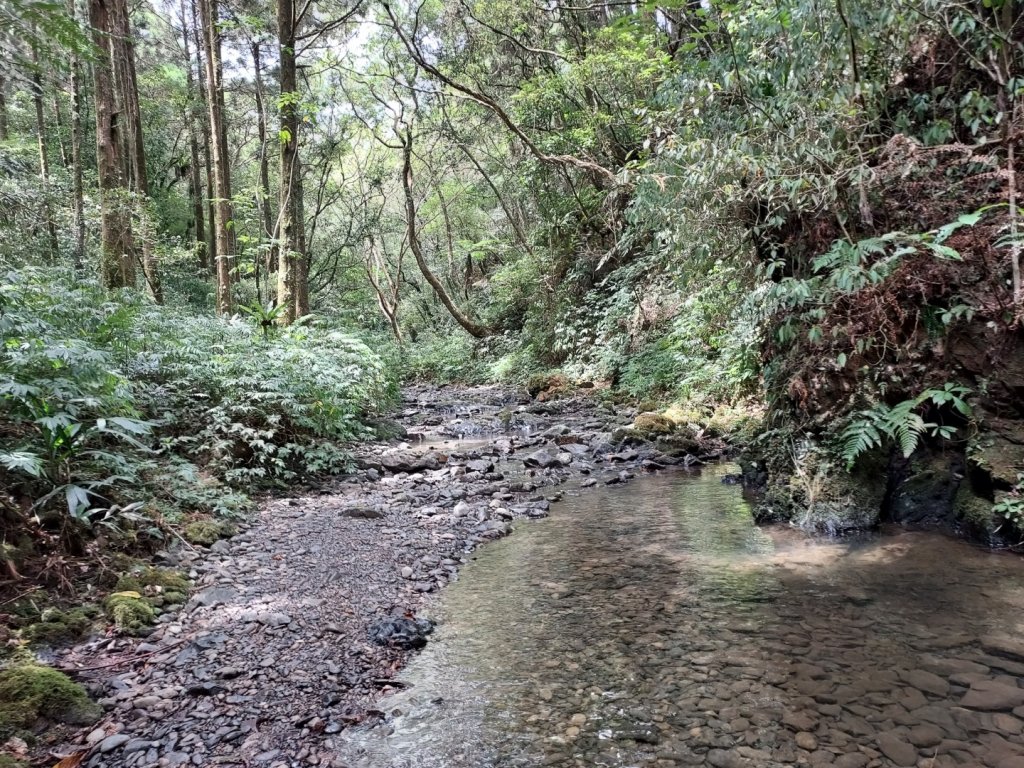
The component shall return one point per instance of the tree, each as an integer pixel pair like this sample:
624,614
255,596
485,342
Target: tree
78,250
128,91
220,156
117,244
292,277
44,160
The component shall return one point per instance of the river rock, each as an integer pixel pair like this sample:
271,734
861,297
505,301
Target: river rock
546,458
928,682
991,695
896,749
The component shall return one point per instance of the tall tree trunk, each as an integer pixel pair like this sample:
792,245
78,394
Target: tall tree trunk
220,155
471,327
58,119
3,108
195,173
118,250
266,215
76,152
44,160
291,262
204,122
132,112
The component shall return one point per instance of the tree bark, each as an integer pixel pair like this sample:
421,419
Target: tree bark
221,158
266,215
195,173
292,293
125,55
204,121
471,327
3,108
117,248
78,252
44,160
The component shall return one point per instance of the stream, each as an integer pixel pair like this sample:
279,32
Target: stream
653,624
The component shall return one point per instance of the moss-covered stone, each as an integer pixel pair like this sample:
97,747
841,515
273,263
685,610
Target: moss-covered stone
29,692
7,761
56,627
129,611
816,494
974,512
204,532
151,580
651,425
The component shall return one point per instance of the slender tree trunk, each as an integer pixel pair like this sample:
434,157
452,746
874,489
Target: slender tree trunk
291,261
44,160
471,327
58,118
132,114
220,155
266,215
118,250
195,173
76,153
301,249
204,121
3,108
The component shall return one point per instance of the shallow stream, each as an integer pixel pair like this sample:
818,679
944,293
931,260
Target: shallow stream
653,624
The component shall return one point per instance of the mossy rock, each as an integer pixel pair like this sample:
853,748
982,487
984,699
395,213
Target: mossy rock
974,512
206,532
6,761
29,692
57,627
130,612
652,425
153,580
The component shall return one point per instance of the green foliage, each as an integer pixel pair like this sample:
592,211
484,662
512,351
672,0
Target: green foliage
111,405
902,424
444,358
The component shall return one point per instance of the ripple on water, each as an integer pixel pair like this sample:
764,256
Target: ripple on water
653,624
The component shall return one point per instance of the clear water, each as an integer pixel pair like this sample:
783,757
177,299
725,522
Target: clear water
653,624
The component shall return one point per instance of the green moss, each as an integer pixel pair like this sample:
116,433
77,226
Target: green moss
974,511
129,611
205,532
29,692
6,761
153,580
57,627
653,425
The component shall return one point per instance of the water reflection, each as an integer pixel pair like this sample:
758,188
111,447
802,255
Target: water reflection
653,624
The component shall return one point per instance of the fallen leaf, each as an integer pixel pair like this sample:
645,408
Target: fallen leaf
73,760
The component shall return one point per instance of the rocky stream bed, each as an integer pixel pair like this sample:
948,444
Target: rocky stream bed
298,624
647,622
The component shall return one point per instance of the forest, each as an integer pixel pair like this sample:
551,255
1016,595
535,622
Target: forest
232,230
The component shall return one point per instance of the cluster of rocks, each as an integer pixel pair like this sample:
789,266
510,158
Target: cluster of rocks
291,634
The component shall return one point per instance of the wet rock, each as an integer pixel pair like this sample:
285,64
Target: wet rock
545,458
403,632
925,681
896,749
1004,647
991,695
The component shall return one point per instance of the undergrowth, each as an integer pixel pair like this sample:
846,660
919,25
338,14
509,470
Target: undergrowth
121,414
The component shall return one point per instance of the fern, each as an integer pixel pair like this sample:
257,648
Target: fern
900,424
